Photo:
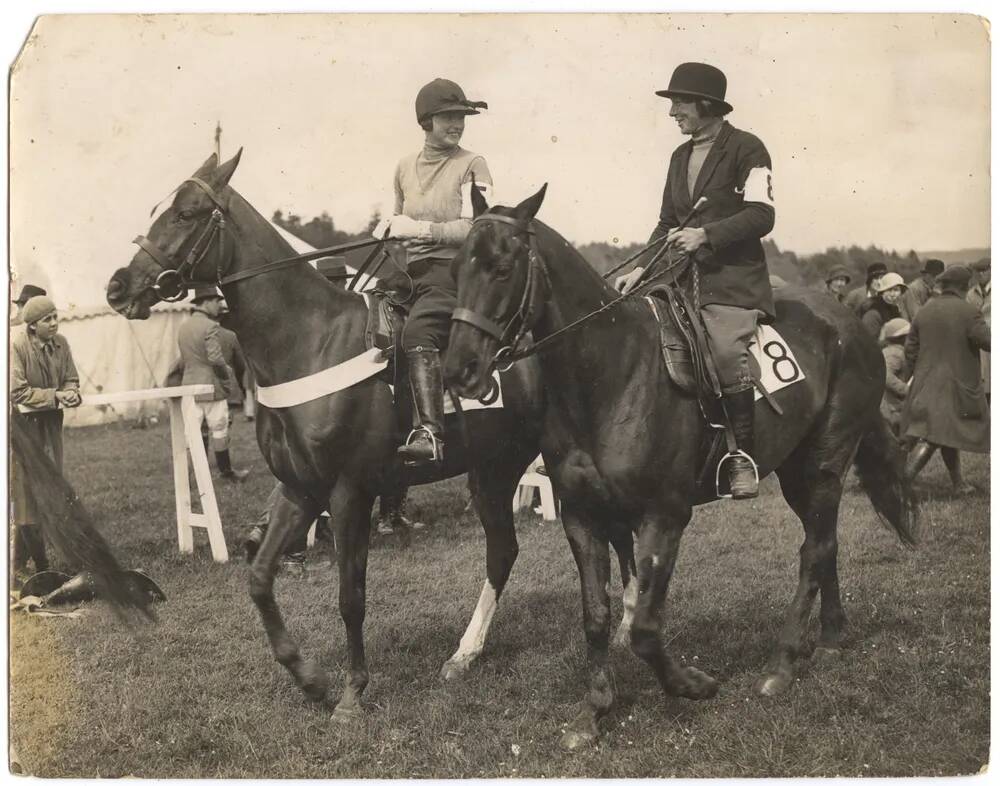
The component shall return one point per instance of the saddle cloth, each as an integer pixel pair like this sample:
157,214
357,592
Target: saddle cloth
689,363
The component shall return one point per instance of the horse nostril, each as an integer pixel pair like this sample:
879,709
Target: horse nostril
469,372
116,291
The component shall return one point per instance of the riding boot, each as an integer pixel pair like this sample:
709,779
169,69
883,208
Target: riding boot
424,444
953,462
918,459
225,466
742,469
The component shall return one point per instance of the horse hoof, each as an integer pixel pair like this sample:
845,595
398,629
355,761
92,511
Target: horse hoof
455,670
827,654
772,684
696,684
347,715
314,681
577,740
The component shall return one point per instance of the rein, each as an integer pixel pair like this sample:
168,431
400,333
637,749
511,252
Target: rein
508,353
172,283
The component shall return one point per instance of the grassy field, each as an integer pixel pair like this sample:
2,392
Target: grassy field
198,694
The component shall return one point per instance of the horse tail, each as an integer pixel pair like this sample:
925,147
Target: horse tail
880,463
65,523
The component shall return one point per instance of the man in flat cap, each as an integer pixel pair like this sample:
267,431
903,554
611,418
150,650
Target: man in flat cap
946,407
203,362
980,297
920,289
732,168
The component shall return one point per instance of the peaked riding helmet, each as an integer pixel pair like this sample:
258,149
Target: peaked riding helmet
443,95
697,80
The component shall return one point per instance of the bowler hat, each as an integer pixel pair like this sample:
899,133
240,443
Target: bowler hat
933,267
981,264
443,95
838,272
698,80
877,268
204,293
29,291
956,275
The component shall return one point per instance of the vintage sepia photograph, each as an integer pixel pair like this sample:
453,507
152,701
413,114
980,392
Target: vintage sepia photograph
499,395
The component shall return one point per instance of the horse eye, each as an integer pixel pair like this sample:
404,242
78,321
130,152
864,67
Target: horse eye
186,215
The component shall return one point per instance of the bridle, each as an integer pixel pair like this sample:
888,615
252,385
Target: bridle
173,281
536,291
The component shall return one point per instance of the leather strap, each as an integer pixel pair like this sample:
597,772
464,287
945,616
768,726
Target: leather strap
488,326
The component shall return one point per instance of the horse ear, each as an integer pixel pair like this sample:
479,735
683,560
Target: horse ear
479,204
208,167
224,172
529,207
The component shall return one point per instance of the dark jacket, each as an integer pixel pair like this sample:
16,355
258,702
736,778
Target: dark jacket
875,313
947,405
731,266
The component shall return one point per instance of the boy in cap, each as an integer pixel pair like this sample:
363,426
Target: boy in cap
723,240
432,216
946,407
893,336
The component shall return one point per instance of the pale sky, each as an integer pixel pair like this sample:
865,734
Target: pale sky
877,125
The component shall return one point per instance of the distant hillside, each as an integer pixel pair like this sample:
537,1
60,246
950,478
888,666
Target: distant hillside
963,256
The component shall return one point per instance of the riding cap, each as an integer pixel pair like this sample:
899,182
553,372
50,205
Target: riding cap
698,80
838,272
203,293
443,95
29,291
956,276
888,281
36,308
895,328
933,267
981,265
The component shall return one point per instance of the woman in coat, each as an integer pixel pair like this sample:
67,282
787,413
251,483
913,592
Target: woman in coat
884,306
43,378
946,407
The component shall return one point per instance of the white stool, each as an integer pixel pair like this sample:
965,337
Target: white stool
531,480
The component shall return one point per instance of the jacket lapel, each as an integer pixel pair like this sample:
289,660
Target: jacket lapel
715,155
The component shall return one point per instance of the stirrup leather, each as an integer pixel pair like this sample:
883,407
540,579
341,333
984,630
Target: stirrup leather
731,455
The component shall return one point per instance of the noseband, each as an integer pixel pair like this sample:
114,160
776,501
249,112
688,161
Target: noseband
536,284
173,281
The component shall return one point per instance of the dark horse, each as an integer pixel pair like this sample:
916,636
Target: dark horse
335,452
623,445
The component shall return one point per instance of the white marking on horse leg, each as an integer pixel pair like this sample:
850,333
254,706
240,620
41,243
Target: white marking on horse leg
471,645
629,600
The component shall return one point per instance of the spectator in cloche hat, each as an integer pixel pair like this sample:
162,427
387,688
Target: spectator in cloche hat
893,336
884,305
43,380
836,282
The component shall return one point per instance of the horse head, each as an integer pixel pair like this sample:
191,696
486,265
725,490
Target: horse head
185,244
501,292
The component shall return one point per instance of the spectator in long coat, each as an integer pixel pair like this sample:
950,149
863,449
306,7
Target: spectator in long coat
980,296
919,291
894,334
946,407
43,378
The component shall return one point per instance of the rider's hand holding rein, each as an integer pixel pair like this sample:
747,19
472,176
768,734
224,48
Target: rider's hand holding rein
624,284
401,227
687,240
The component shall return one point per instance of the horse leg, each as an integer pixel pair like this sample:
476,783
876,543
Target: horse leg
625,549
287,513
593,563
659,543
492,492
813,490
351,509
